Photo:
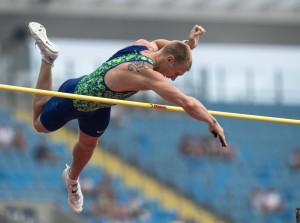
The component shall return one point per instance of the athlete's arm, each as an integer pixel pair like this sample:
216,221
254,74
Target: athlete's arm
156,45
159,43
152,46
192,42
194,36
192,106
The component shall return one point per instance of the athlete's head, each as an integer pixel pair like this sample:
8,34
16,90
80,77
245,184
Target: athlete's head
177,58
181,52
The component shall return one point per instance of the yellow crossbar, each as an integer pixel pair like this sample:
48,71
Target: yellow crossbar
144,105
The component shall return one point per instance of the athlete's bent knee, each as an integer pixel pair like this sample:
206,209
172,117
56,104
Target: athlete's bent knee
39,127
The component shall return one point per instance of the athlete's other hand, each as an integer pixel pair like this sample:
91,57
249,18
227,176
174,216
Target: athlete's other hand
217,130
194,36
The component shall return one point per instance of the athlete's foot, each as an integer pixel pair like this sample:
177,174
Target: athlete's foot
49,50
75,199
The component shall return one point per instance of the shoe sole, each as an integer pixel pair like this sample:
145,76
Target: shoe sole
34,28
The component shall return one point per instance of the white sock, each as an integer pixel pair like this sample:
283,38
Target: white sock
70,181
47,60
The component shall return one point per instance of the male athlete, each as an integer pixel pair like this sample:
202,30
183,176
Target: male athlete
139,67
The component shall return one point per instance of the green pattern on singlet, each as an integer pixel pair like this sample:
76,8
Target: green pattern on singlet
93,84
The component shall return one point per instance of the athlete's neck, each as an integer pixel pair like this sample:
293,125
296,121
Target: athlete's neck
156,58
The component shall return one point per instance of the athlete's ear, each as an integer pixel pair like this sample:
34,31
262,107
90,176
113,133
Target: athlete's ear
170,59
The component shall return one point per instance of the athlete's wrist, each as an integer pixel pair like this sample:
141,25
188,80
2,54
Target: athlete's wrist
187,42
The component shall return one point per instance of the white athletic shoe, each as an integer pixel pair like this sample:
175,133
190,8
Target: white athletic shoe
49,50
75,199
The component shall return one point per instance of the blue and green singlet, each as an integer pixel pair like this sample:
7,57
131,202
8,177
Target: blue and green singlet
94,85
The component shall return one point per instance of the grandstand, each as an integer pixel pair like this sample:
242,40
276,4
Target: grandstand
215,185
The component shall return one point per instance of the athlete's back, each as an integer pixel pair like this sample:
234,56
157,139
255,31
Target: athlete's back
97,83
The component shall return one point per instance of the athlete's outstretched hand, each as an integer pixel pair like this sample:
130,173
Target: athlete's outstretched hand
194,36
217,130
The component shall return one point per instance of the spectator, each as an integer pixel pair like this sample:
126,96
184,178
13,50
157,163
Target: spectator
256,199
136,208
43,154
6,135
294,159
106,188
268,201
105,199
106,204
204,146
88,186
19,140
190,147
272,201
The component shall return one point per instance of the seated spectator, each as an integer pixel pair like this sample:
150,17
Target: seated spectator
136,208
106,204
6,135
267,201
104,199
294,159
43,154
272,201
190,147
106,188
88,186
19,140
256,199
204,146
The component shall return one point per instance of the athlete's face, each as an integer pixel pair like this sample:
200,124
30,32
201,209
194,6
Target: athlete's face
171,70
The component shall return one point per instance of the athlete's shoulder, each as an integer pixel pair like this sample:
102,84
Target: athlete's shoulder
146,43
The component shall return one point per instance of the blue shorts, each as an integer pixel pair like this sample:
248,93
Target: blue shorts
58,111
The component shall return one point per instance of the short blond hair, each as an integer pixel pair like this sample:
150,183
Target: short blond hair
181,52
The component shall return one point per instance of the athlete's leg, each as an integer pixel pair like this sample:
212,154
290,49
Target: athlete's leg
49,52
82,153
45,83
91,128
